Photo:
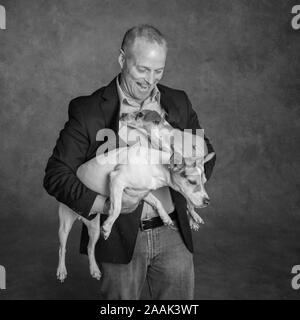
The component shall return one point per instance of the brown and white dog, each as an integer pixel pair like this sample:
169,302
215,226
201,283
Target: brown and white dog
136,170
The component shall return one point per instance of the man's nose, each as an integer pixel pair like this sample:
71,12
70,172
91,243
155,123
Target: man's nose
206,201
150,78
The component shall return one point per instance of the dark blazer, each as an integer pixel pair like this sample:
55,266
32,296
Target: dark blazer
77,144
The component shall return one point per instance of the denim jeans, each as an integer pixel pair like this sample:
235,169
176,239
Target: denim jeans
161,258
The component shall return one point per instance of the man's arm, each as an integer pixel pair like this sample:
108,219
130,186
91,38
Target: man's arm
69,153
193,123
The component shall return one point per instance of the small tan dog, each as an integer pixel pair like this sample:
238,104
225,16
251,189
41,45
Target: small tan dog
135,173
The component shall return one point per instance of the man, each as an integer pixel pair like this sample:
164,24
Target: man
140,247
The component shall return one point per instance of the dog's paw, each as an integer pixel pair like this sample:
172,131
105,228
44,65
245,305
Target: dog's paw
105,231
195,216
168,222
96,275
61,274
194,226
104,234
95,272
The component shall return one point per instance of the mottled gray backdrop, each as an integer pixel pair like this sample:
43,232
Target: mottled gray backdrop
238,61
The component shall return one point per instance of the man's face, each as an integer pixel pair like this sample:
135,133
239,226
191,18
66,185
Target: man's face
142,68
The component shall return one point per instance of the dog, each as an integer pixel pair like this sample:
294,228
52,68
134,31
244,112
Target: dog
184,145
136,174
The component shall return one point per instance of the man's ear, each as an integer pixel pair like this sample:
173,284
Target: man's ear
121,58
209,156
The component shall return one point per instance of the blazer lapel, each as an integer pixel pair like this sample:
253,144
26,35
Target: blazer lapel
111,107
173,114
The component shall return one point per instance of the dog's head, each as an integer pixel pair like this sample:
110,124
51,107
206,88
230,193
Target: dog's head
188,176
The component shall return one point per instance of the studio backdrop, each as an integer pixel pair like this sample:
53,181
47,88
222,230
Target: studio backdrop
237,60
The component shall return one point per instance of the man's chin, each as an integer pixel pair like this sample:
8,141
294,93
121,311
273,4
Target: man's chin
142,96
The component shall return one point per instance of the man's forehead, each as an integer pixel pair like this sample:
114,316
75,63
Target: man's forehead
142,46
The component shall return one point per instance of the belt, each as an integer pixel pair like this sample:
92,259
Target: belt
155,222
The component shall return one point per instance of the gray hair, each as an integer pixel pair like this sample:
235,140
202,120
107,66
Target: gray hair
145,31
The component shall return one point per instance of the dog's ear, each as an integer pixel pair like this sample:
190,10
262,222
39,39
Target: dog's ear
209,156
199,161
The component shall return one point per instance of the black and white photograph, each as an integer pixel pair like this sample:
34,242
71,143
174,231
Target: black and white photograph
150,151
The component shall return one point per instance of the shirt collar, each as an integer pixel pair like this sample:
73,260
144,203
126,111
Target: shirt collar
154,96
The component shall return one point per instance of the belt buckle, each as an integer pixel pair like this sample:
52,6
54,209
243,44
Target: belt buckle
142,226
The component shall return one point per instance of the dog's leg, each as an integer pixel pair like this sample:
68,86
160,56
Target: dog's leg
194,218
116,192
66,220
154,202
93,227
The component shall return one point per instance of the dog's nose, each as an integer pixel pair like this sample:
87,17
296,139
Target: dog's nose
206,201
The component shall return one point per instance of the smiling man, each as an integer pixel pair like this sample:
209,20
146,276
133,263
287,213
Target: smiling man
142,63
140,248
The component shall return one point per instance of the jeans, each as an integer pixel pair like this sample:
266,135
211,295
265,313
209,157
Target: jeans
161,258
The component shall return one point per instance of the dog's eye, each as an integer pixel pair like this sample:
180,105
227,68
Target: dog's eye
192,182
182,173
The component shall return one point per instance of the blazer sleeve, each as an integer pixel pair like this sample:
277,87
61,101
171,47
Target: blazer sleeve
69,153
193,123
